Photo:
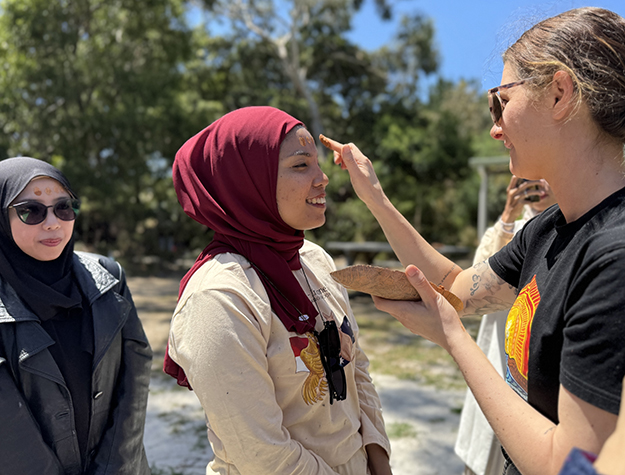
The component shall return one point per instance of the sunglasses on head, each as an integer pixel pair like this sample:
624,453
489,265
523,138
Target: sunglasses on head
330,349
34,212
495,104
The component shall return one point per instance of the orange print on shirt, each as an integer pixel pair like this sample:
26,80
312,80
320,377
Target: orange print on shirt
518,330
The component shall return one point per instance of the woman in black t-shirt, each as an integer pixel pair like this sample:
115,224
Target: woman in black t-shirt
561,113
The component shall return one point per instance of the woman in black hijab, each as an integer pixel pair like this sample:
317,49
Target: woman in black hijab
74,360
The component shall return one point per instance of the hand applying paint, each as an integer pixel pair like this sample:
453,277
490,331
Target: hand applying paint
361,171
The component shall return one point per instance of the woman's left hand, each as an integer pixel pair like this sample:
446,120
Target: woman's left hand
432,318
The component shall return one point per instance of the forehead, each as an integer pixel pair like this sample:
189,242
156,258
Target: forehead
40,187
509,74
297,139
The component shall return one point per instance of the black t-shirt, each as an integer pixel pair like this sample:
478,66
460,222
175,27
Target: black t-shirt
567,325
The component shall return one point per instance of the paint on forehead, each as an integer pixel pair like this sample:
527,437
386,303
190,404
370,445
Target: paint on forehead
309,139
58,189
37,191
302,141
48,190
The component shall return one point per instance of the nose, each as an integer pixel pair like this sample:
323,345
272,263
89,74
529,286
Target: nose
321,179
51,221
496,133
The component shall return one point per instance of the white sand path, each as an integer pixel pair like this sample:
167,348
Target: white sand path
427,418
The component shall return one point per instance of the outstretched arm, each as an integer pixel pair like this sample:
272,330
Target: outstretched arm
408,244
479,288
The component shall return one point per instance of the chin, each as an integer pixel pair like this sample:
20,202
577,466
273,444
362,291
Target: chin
47,255
47,258
314,225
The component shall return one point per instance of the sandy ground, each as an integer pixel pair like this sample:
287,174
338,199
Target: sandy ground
422,421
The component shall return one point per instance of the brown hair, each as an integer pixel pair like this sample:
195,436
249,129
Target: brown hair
589,44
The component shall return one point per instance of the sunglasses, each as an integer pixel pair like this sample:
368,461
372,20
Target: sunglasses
330,349
34,212
495,104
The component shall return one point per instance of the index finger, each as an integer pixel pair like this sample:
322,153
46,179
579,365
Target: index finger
514,183
331,144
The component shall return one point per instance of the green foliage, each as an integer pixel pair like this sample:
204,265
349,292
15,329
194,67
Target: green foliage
400,430
109,90
92,87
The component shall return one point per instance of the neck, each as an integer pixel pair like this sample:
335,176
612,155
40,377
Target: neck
585,179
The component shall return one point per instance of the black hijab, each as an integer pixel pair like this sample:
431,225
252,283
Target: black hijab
46,287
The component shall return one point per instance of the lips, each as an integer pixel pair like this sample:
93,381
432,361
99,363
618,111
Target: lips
51,242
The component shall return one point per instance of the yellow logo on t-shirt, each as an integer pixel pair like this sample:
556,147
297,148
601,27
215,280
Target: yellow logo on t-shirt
308,358
518,330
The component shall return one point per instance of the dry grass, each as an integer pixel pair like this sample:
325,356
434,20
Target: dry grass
394,350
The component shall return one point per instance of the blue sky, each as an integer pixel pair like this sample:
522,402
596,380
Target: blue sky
470,34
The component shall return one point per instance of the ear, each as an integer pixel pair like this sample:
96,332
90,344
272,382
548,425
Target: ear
561,95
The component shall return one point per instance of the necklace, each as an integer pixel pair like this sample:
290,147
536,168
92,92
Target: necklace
312,294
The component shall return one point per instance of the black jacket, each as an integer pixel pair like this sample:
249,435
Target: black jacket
37,435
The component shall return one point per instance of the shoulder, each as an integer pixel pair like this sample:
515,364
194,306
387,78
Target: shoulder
221,272
104,272
229,276
543,221
223,294
536,231
605,247
316,257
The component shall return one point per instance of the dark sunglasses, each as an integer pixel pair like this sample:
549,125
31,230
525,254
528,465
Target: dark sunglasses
34,212
330,349
495,105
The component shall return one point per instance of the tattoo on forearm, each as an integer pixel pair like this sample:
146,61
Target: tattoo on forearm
447,275
484,278
550,429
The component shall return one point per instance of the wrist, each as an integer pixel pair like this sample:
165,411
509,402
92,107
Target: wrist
378,202
507,227
458,344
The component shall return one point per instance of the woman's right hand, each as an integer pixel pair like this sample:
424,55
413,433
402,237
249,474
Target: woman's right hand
361,171
516,192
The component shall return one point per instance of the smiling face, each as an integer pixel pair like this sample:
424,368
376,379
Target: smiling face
44,241
526,128
300,192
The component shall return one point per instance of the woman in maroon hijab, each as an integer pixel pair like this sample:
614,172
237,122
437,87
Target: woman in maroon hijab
262,333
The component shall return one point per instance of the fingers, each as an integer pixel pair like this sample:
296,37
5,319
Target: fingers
336,148
514,182
418,280
347,156
338,160
331,144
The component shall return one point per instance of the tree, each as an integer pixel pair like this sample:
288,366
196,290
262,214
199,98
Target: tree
92,86
108,90
294,39
420,149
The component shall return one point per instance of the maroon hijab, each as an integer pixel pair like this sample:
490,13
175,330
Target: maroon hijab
225,178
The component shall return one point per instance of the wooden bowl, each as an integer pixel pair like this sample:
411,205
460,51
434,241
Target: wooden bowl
386,283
